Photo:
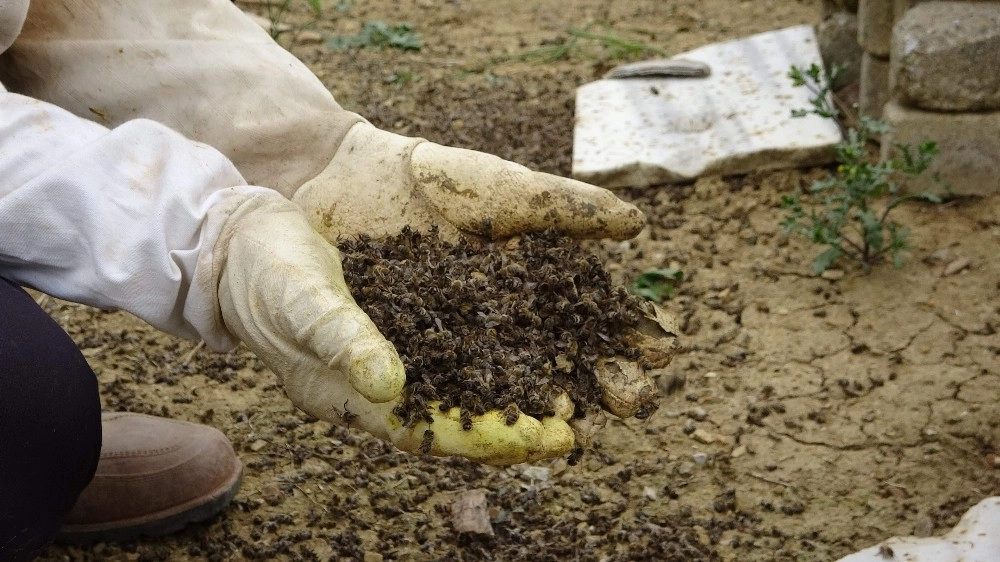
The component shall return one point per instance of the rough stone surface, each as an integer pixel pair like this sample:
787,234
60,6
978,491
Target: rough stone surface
969,144
830,7
641,132
944,56
875,18
838,43
874,85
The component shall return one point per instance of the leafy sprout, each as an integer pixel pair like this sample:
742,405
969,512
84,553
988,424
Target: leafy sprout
657,285
380,35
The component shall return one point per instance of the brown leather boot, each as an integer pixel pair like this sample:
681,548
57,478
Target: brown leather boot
154,476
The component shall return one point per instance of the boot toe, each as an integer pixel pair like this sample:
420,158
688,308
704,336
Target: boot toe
154,476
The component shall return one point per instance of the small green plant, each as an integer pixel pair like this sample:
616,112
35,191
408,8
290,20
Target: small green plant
657,285
851,220
380,35
280,30
577,41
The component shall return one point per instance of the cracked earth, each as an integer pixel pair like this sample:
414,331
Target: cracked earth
810,417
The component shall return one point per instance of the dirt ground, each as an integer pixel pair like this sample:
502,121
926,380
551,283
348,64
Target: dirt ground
818,415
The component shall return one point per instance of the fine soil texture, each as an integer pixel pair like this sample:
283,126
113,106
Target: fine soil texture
809,417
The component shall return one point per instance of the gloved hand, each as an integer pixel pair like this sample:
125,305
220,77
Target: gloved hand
378,182
282,292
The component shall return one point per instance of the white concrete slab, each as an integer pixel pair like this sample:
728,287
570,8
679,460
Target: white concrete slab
649,131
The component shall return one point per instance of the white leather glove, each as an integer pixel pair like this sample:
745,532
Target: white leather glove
281,291
976,538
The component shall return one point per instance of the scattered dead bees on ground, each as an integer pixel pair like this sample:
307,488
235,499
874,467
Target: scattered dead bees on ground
505,326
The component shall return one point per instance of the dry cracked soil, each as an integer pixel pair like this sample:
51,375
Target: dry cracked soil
810,417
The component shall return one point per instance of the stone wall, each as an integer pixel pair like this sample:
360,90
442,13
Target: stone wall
931,70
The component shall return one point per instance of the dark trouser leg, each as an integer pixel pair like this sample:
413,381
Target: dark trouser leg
50,425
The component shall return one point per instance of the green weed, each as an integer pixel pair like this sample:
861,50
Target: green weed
850,217
657,285
380,35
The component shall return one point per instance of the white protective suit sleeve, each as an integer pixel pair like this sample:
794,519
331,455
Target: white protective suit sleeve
124,218
201,67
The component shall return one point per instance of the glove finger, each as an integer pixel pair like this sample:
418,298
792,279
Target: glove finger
345,338
283,291
628,389
490,440
468,187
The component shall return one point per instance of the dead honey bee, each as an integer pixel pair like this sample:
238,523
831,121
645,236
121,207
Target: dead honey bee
511,414
427,442
466,418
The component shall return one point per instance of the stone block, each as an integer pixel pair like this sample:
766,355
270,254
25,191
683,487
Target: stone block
969,145
875,19
874,85
945,55
659,129
838,43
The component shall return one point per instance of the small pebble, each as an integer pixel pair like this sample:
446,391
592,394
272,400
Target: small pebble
739,451
649,493
310,37
688,426
703,436
700,458
469,513
685,468
272,494
533,473
697,414
258,445
956,266
832,274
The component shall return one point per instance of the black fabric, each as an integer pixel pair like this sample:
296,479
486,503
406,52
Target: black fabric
50,425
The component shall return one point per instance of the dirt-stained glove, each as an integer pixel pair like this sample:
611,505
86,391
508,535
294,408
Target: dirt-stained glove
379,182
976,538
282,292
